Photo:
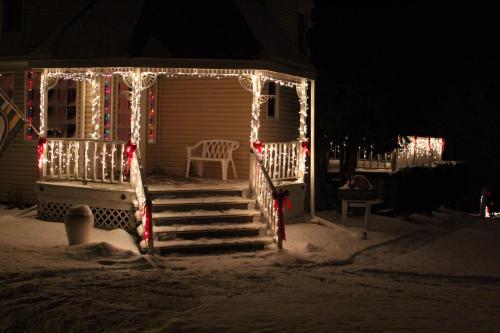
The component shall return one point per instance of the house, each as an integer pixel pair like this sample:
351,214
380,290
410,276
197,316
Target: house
112,93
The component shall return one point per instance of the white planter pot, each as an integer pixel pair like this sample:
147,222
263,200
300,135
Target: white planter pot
79,222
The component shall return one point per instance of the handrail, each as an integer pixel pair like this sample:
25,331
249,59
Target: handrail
87,140
144,203
277,196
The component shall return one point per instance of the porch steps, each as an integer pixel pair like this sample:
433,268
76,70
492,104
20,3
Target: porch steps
218,230
201,218
205,216
193,192
205,245
205,203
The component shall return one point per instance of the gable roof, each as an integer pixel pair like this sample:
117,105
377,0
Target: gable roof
203,33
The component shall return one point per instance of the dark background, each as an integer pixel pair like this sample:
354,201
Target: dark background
388,68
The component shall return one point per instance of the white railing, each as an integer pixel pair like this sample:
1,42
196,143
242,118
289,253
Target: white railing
369,160
85,160
282,159
263,188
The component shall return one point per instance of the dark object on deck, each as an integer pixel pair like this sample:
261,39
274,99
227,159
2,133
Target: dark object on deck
359,188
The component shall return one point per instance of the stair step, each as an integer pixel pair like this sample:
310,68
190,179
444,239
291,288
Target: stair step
210,245
191,192
207,230
201,203
204,216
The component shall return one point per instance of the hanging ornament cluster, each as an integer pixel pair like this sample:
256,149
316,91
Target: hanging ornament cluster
151,115
107,108
29,107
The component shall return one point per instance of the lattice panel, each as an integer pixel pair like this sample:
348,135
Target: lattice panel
106,218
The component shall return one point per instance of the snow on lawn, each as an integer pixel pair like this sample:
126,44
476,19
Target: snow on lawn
47,286
470,251
28,243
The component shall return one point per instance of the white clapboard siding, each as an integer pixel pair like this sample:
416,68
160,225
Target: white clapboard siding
191,109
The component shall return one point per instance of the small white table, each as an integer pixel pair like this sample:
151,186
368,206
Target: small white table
366,204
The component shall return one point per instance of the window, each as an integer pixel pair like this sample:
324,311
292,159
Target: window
123,112
272,103
12,15
61,110
301,31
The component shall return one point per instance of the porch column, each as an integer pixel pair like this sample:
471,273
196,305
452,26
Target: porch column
135,107
302,94
255,123
313,150
42,168
46,82
96,102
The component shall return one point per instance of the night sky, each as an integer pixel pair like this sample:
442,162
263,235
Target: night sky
427,68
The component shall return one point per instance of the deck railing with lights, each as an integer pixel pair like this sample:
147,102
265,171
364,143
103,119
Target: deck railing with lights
85,160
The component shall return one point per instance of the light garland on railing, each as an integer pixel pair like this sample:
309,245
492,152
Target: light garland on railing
421,147
107,107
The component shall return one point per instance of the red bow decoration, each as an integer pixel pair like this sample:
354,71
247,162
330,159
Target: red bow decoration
280,201
305,147
258,146
39,152
129,151
147,224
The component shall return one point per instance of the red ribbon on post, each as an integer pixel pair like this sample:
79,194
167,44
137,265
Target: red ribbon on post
39,152
147,225
280,201
305,147
258,146
130,149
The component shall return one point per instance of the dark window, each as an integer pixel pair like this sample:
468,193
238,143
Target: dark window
61,110
123,112
12,15
271,102
301,31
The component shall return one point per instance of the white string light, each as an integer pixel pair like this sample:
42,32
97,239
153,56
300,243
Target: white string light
95,86
255,123
43,101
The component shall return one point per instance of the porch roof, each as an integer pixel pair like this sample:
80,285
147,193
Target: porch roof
153,33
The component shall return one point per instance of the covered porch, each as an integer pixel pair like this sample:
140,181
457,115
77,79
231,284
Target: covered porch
99,152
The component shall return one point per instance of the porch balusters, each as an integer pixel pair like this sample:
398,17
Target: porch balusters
77,160
99,160
281,159
113,152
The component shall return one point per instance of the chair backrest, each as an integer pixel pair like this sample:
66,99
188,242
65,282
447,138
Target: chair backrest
219,148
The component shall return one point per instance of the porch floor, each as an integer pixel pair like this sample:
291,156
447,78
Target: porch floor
90,185
171,182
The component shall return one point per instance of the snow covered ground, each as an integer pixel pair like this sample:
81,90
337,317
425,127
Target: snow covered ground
427,274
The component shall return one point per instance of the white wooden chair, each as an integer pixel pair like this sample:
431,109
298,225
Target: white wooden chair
213,150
